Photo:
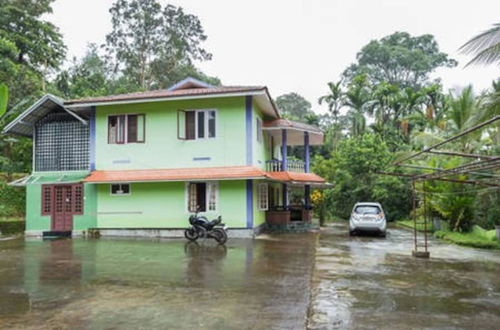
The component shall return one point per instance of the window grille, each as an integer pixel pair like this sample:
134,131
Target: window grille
78,198
196,124
61,144
120,189
202,196
46,200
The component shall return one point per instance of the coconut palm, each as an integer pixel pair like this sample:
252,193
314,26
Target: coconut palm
485,47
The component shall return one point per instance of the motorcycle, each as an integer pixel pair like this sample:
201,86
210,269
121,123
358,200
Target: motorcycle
202,228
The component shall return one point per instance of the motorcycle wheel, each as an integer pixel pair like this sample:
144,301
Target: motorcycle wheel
220,235
191,234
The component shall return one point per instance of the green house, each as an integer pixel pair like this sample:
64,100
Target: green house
141,163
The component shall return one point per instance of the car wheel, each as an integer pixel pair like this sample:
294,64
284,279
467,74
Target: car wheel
352,233
383,234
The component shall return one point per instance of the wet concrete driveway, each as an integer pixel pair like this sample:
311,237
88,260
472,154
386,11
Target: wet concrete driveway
144,284
324,281
369,282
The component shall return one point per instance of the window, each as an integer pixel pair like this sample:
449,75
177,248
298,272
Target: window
126,129
46,200
120,189
78,198
263,197
202,196
196,124
260,134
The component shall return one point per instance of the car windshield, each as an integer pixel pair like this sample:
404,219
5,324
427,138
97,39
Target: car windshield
367,209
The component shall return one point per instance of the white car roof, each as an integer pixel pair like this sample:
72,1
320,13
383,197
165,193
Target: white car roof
368,203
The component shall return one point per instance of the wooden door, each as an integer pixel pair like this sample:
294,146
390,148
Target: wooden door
62,217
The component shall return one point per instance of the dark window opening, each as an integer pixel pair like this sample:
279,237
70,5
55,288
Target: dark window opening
190,125
120,189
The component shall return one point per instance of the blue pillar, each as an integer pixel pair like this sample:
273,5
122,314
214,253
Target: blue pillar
306,153
307,188
284,162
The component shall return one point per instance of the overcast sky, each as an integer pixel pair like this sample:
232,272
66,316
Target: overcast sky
299,45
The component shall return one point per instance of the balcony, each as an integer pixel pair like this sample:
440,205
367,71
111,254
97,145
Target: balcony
293,165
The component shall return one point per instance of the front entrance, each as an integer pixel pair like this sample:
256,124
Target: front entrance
62,202
62,218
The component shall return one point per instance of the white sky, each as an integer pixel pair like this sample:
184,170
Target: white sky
300,45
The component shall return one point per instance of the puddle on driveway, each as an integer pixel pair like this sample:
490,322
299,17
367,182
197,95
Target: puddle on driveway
133,284
369,282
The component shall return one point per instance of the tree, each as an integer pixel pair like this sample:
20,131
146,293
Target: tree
357,95
87,76
353,169
399,59
39,42
485,47
294,106
149,42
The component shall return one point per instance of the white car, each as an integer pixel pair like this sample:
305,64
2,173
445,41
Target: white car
367,217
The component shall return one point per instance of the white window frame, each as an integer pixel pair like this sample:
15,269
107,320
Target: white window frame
209,186
205,124
125,128
260,132
120,184
263,201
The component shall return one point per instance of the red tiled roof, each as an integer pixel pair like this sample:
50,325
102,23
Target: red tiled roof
179,174
207,173
285,123
295,177
164,93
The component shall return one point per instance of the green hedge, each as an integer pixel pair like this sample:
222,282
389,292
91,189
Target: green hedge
12,200
11,227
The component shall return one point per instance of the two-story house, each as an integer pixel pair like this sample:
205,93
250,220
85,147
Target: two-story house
140,163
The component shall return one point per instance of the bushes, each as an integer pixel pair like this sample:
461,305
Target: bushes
12,200
478,238
11,227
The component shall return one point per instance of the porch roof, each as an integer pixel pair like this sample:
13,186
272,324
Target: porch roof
177,174
296,177
295,131
205,174
49,178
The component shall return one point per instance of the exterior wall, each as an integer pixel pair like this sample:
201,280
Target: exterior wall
162,148
36,222
261,150
164,205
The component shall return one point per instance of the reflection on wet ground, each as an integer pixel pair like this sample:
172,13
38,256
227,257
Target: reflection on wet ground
369,282
133,284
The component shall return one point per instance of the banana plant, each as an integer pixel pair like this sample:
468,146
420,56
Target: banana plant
4,97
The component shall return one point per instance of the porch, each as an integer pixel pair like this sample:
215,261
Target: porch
290,206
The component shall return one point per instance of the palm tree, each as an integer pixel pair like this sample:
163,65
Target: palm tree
358,93
334,99
485,47
462,115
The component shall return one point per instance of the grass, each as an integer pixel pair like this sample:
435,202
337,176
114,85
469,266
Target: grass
410,224
478,238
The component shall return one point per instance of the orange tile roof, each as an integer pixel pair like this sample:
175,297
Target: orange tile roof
206,173
178,174
295,177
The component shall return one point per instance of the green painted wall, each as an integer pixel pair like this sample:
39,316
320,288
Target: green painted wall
35,221
261,150
164,205
162,148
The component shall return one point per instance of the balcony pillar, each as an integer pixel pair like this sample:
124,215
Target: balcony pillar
306,153
284,155
307,188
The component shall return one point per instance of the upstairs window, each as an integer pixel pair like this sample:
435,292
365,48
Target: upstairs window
126,129
202,196
196,124
260,134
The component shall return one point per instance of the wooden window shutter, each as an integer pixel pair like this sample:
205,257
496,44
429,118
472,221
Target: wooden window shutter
47,192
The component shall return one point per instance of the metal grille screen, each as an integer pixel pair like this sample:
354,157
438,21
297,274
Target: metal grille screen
61,144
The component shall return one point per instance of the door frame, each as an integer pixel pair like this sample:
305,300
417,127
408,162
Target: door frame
48,207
